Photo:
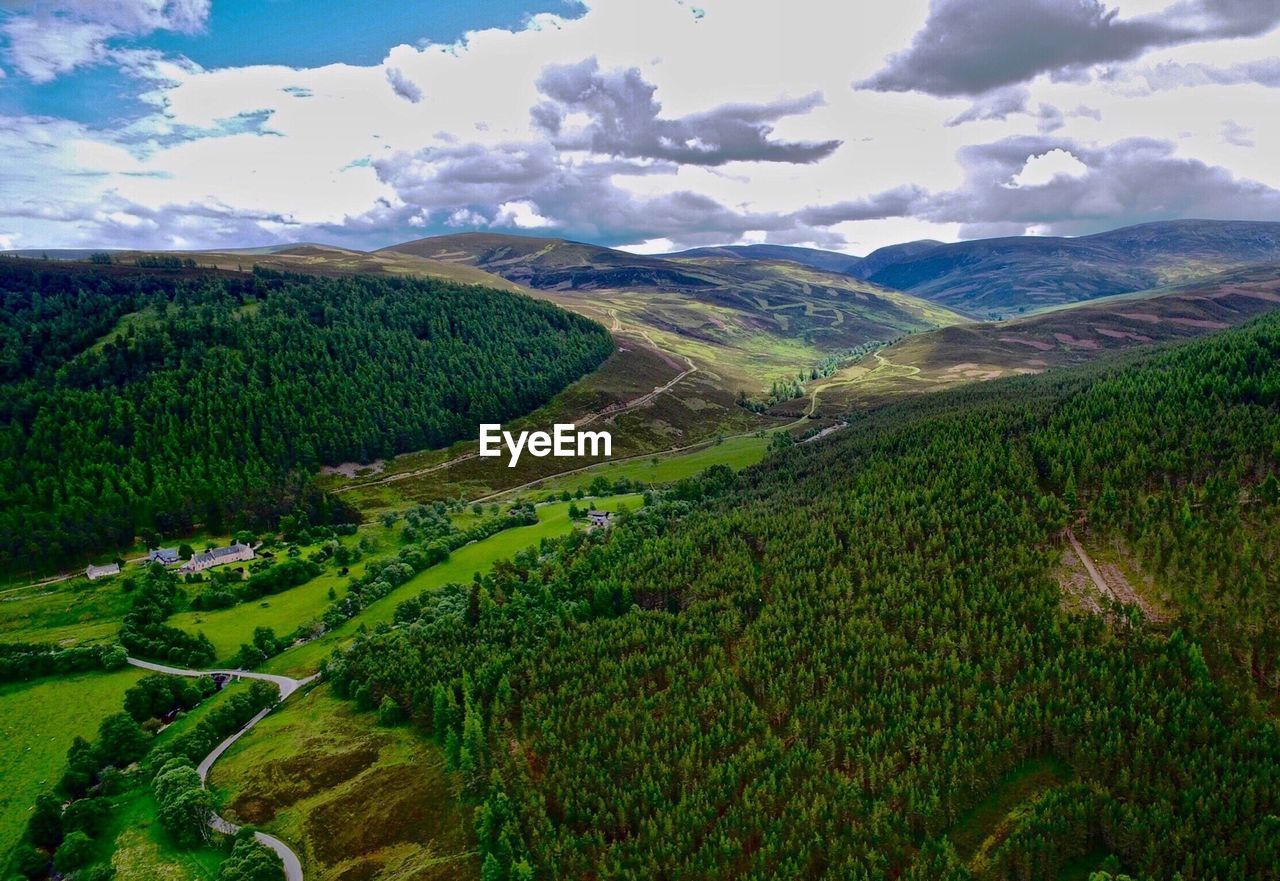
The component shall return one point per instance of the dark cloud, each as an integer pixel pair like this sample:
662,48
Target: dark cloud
968,47
403,86
1127,182
623,120
467,183
899,202
1130,181
1009,101
1172,75
1237,134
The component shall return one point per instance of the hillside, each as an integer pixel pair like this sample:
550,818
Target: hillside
719,300
136,399
1002,277
863,658
1072,334
828,261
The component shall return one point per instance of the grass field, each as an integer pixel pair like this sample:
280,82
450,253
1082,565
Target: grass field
142,850
284,611
38,721
553,521
353,799
67,612
736,452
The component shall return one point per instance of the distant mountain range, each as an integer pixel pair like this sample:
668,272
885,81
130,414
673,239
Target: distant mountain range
738,294
1002,277
984,278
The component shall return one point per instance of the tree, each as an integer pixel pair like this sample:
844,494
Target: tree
185,816
251,861
121,741
75,851
185,551
389,712
114,658
87,815
45,826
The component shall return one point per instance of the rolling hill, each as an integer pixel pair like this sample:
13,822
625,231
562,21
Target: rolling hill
716,299
143,399
1001,277
828,261
1058,337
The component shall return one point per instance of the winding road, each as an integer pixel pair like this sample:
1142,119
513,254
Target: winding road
287,686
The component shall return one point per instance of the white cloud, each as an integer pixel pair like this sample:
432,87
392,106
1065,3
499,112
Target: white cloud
522,215
1046,167
47,38
669,151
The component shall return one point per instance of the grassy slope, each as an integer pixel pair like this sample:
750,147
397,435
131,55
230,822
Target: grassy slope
461,565
737,452
38,721
68,612
354,799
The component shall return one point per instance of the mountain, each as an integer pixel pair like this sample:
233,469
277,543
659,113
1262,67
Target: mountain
1001,277
1059,337
718,298
828,261
890,254
206,394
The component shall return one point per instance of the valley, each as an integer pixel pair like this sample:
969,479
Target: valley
768,417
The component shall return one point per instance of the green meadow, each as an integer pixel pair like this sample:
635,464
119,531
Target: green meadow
553,521
38,722
735,452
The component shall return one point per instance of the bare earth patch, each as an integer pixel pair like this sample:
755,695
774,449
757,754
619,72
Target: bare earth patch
351,470
1068,340
1200,322
1122,334
1038,345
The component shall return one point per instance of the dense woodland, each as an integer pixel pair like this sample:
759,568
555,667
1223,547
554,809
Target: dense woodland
134,399
818,668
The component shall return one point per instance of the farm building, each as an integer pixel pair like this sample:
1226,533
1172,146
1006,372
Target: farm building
218,556
167,556
93,573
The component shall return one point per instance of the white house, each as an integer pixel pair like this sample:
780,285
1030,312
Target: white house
93,573
218,556
598,519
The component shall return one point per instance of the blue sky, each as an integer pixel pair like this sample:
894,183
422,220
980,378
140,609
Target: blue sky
654,125
297,33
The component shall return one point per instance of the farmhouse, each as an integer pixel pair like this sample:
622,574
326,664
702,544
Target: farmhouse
93,573
598,519
167,556
218,556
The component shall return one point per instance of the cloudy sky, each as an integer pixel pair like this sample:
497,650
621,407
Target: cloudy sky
647,124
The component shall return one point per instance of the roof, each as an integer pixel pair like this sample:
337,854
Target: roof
164,555
219,553
594,513
109,569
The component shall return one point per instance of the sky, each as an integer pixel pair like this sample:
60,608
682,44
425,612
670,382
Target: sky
652,126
